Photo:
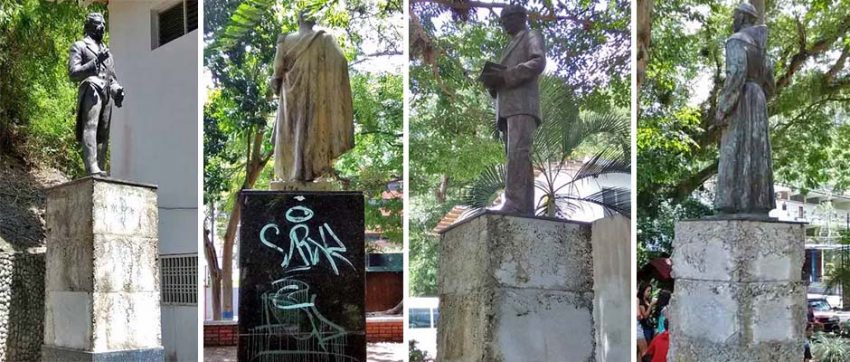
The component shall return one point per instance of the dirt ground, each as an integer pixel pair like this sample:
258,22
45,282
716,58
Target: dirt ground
22,202
375,352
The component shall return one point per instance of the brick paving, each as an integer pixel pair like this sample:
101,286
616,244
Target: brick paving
375,352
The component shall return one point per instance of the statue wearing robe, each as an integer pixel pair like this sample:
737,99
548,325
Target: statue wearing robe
315,121
745,171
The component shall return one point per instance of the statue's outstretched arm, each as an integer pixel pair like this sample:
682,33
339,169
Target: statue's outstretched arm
522,72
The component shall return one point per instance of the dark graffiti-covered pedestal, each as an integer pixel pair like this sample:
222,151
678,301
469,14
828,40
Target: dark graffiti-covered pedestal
302,281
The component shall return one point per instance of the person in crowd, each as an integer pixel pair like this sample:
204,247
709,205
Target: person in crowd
644,325
659,314
660,345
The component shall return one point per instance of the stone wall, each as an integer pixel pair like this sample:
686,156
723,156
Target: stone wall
21,305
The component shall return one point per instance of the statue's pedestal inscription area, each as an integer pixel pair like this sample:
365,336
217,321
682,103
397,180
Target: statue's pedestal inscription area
102,298
516,289
739,294
302,277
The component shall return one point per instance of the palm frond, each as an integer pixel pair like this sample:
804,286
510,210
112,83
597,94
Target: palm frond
605,162
247,15
485,188
615,199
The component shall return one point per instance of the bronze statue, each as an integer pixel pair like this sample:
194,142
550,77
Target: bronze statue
315,117
745,171
91,64
513,82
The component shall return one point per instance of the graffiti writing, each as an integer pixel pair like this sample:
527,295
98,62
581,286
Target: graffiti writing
304,249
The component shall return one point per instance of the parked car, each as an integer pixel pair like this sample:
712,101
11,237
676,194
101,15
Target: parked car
824,314
423,314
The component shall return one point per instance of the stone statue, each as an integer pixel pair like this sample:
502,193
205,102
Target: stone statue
745,172
91,64
315,117
513,82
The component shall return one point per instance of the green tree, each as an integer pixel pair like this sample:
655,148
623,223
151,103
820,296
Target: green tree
809,43
37,99
452,117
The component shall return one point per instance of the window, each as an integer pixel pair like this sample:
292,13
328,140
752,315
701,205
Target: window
174,22
420,318
179,284
610,196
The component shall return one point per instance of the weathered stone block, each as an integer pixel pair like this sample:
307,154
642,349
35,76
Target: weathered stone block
740,296
511,288
102,271
738,250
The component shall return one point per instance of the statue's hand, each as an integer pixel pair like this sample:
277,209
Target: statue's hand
720,119
493,80
274,84
102,56
119,96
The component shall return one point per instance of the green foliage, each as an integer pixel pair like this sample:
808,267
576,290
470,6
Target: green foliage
37,100
559,139
830,349
452,118
658,230
241,38
677,144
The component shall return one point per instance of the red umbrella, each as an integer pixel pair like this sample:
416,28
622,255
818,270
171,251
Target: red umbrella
660,268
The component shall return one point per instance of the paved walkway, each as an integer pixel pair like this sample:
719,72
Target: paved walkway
375,352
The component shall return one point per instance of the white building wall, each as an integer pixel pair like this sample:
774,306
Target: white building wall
154,139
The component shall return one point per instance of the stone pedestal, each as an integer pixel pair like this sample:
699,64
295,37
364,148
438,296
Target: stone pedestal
302,277
516,289
739,294
102,276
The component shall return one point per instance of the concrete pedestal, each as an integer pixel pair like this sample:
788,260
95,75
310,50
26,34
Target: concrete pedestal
739,294
516,289
102,275
302,277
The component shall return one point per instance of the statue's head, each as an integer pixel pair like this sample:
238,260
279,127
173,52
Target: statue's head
513,19
95,26
306,19
745,16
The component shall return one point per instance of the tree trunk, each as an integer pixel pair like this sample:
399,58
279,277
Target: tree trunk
644,40
215,272
256,163
759,5
442,189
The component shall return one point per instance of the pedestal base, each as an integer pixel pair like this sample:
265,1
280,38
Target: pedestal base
739,294
70,355
515,289
102,274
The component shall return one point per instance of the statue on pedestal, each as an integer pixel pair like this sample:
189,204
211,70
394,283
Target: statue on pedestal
315,117
91,64
745,171
513,82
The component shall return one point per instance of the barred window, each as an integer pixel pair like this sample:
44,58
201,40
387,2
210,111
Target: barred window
179,283
174,22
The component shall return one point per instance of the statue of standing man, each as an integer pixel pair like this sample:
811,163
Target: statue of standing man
514,84
91,64
315,117
745,171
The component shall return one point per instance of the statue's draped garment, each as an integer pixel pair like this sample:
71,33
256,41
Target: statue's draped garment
745,172
314,123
